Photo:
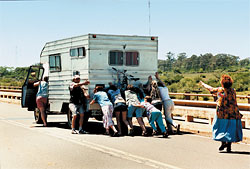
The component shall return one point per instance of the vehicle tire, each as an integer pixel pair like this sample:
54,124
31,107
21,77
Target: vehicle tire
86,117
37,116
99,118
69,117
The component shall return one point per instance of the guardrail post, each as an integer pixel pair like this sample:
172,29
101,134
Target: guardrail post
248,99
211,118
243,122
189,118
187,97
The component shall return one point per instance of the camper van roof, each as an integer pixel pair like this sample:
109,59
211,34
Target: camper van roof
91,35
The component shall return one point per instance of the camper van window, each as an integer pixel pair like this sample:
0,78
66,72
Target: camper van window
132,58
115,57
54,63
81,52
77,52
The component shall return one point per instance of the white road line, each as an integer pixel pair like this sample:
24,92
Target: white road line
104,149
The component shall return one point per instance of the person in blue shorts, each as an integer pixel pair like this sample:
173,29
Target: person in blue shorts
131,100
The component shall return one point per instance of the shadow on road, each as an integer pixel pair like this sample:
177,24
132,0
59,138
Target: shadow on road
236,152
96,127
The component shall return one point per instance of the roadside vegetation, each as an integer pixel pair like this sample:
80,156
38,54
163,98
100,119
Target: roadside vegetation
182,73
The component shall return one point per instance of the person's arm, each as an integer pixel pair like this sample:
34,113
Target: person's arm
158,78
79,84
126,97
36,84
148,84
210,88
138,105
92,102
84,83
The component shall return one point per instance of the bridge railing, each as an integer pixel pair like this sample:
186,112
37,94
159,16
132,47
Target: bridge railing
191,110
13,92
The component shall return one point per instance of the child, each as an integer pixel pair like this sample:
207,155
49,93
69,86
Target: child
154,115
102,99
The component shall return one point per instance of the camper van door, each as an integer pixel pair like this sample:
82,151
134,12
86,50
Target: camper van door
28,99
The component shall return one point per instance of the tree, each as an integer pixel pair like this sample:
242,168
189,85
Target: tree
170,60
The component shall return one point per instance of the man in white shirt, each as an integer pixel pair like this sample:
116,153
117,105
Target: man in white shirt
168,105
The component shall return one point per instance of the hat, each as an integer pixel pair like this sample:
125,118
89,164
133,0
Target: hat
76,77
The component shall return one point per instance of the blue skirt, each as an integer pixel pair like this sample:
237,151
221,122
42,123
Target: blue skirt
227,130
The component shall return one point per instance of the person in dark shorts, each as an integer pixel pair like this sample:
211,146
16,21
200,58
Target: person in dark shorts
120,107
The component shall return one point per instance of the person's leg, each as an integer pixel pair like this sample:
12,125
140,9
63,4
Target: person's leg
73,109
43,115
110,121
152,121
125,121
168,107
229,147
105,118
142,125
131,110
41,104
138,112
223,145
74,121
159,121
117,115
81,112
81,121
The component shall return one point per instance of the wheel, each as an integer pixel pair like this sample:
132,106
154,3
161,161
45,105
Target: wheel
99,118
37,116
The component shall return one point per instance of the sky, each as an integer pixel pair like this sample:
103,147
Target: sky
190,26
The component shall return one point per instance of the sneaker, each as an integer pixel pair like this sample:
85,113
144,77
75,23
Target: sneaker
154,133
144,133
74,132
82,132
116,134
165,135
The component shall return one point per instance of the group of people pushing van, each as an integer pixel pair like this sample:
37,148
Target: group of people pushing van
227,126
111,100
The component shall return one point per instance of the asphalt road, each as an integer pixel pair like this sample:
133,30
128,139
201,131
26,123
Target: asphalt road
26,145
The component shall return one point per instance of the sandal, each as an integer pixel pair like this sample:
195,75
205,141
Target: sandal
144,133
154,133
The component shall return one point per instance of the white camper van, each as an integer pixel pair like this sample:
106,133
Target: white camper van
93,57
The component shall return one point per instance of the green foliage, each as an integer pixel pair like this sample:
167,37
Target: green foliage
182,74
12,77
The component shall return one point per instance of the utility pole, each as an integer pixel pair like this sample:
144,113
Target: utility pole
149,17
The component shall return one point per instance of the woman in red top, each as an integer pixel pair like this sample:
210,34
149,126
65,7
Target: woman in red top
227,126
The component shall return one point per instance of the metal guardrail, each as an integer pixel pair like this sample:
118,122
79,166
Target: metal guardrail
12,92
11,87
188,95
